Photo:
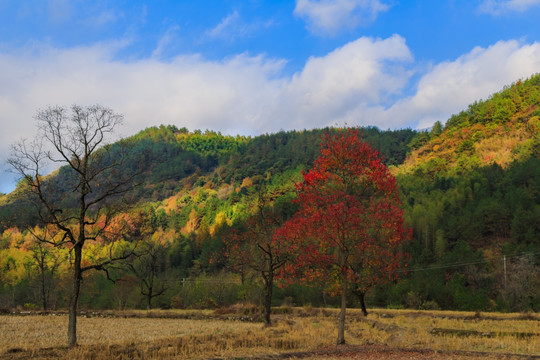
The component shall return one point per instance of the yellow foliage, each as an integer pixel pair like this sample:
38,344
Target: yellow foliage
499,149
14,236
163,237
12,261
192,224
171,204
221,219
491,143
533,126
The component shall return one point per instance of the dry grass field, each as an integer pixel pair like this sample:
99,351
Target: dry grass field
306,333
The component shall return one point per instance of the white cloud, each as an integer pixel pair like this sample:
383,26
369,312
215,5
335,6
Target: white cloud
327,17
450,87
232,27
225,24
357,84
163,43
497,7
337,87
242,94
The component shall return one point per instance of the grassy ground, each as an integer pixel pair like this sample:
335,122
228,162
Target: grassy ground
297,333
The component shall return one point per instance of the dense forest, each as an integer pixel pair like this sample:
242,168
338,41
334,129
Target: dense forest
470,191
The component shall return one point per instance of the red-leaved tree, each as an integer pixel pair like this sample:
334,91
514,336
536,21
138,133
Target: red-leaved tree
349,229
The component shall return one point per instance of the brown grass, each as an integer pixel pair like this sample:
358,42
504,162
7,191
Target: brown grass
297,332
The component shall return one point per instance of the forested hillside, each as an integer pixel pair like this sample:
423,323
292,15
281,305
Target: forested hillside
471,193
171,161
470,190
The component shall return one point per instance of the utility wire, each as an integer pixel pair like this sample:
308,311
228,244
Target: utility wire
430,267
468,263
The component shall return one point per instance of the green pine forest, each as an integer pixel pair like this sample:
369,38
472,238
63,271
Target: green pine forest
470,188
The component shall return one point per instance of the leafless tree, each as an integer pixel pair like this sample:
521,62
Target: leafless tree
149,267
255,249
522,290
80,201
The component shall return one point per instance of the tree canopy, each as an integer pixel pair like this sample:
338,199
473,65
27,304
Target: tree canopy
349,229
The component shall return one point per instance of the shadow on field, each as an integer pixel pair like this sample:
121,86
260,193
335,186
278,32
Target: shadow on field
365,352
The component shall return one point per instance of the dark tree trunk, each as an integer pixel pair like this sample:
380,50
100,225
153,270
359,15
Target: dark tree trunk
269,284
242,277
73,302
360,295
43,290
149,299
341,323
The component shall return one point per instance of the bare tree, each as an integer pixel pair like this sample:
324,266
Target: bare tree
522,290
255,248
149,266
79,202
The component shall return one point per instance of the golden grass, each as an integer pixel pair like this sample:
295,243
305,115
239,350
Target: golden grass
165,338
300,329
508,333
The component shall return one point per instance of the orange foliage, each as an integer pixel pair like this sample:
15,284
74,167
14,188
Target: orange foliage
164,237
192,224
171,204
247,182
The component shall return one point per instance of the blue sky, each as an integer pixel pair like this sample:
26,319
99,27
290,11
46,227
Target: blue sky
253,66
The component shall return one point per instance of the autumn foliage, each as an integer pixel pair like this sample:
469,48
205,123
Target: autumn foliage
349,230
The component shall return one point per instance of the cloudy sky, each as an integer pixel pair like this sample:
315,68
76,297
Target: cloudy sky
254,66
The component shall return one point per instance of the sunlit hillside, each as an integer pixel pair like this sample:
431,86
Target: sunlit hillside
503,129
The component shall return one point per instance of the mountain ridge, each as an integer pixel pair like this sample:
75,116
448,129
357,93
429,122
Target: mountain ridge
469,188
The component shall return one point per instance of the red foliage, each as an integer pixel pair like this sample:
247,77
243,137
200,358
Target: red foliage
350,222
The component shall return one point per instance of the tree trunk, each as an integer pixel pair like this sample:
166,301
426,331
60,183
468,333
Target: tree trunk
362,302
149,300
43,290
73,302
341,324
269,283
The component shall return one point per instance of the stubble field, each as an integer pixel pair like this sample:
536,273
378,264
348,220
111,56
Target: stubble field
307,333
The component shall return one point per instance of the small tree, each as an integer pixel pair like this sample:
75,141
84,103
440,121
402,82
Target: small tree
81,207
46,261
149,265
254,248
437,128
349,229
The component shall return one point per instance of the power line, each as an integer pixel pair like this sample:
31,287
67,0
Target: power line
468,263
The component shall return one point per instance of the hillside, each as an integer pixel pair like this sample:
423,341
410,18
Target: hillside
482,160
470,191
173,162
500,130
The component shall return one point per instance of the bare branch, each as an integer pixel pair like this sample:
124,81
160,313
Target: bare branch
78,139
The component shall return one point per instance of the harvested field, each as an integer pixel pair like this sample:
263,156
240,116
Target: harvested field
306,333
